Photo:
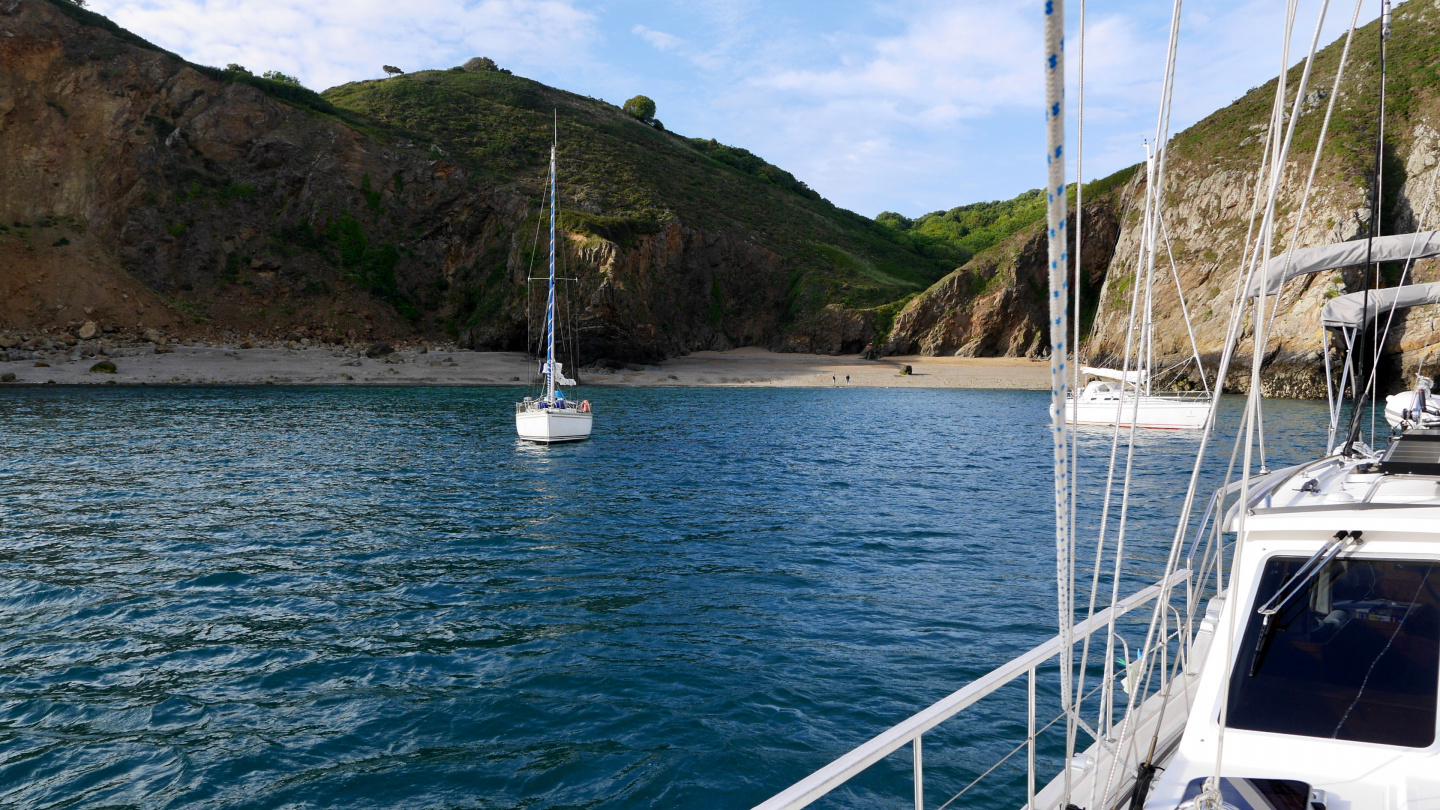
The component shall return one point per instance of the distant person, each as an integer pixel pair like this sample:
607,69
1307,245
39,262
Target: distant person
832,380
847,379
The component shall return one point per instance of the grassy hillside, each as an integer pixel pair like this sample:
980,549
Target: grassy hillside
963,231
622,176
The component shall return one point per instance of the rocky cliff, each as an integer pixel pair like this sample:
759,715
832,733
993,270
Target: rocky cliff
990,305
995,303
141,191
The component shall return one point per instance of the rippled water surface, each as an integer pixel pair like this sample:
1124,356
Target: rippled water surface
260,597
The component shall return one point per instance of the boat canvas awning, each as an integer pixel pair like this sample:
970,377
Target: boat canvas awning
1114,374
1282,268
1349,311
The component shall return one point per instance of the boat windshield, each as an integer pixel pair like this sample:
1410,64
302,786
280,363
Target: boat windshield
1354,655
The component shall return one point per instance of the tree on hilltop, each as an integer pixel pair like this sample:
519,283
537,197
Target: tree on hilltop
392,70
480,63
641,107
236,68
277,76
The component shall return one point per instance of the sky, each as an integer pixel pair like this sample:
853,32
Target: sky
906,105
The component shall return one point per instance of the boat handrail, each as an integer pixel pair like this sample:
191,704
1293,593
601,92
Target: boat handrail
534,405
910,730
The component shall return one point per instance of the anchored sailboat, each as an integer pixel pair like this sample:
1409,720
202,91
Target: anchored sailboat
549,417
1124,396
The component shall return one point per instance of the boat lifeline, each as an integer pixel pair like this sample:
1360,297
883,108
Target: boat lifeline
550,418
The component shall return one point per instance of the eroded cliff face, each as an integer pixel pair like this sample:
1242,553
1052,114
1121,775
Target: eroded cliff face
140,191
1209,199
991,305
995,304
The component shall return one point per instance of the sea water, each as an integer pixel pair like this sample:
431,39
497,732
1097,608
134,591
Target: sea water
378,597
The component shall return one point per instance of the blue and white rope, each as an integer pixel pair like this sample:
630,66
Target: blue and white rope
1056,215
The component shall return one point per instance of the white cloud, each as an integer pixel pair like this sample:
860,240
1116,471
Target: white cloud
328,42
661,40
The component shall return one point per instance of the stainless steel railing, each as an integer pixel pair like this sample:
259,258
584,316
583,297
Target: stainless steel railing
911,730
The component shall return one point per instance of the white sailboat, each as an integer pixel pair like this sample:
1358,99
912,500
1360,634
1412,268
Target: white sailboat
1291,656
1123,396
550,418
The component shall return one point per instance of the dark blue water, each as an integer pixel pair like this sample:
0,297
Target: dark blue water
377,598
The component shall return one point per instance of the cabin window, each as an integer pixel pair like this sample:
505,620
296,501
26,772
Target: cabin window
1353,655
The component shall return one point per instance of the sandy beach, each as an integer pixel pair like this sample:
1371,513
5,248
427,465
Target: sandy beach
323,365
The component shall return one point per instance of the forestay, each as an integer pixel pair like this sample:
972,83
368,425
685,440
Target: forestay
1350,311
1302,262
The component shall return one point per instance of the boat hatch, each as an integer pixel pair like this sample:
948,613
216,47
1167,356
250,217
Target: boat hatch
1352,654
1257,794
1416,452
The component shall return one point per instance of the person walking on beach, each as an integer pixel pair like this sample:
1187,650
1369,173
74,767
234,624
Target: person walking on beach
832,380
847,379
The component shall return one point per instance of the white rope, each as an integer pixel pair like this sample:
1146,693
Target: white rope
1056,216
1075,367
1075,345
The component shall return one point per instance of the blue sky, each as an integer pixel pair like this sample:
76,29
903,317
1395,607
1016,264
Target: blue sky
910,106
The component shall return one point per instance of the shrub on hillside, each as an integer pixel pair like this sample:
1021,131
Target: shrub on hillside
894,220
392,70
641,107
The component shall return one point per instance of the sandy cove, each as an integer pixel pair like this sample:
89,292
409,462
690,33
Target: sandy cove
320,365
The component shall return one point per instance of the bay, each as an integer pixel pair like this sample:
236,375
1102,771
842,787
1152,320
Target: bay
377,597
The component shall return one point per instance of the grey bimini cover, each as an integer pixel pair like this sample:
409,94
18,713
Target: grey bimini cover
1350,311
1282,268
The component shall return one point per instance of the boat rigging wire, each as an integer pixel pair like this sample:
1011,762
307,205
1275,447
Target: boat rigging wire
1210,795
1357,411
1298,230
531,345
1155,173
1184,311
1404,273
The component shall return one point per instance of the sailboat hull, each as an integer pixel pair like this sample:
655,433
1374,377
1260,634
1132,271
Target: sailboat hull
551,425
1162,413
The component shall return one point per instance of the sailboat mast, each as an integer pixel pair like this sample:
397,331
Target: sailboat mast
550,305
1152,225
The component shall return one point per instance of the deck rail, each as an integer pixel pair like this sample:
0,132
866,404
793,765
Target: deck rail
912,729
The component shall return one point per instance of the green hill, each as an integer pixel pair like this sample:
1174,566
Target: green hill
621,177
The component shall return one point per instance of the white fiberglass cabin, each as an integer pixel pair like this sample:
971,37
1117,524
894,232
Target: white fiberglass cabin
1117,396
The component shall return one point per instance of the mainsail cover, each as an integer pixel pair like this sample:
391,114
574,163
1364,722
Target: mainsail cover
1282,268
1349,311
1114,374
560,378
